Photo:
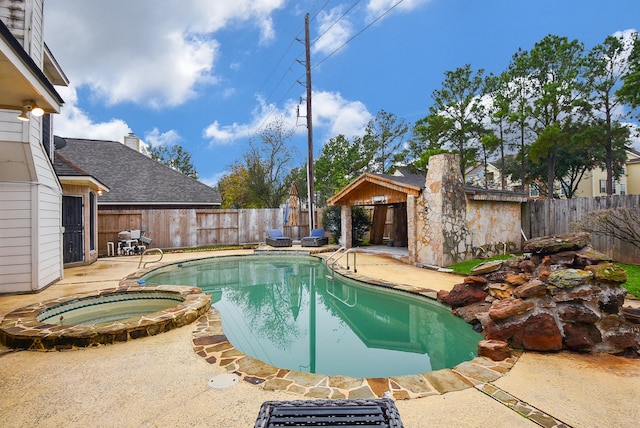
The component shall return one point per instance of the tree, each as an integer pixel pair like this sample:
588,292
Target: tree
552,67
606,65
621,223
500,99
339,163
429,136
233,188
268,163
630,90
384,136
360,223
459,103
176,158
260,181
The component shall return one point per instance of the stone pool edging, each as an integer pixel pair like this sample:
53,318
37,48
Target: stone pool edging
20,329
211,343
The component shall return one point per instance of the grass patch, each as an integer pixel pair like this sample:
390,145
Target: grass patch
464,268
633,272
633,278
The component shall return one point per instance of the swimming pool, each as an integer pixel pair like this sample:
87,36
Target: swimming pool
351,328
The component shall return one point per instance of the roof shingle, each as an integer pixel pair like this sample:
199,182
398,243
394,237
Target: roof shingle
133,178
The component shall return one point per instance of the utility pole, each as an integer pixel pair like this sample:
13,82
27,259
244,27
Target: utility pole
310,175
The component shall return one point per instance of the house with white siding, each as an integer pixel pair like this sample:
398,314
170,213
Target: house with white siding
30,193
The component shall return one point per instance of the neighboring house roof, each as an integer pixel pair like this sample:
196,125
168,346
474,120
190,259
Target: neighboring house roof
69,173
133,178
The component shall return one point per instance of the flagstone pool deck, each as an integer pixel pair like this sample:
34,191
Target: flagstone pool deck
162,380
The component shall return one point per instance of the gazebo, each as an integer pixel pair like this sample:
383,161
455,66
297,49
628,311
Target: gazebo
381,191
439,219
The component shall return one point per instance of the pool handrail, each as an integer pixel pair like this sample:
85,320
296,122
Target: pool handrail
345,252
152,261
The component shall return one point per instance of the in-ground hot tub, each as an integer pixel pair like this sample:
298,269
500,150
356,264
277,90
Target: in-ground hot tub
103,317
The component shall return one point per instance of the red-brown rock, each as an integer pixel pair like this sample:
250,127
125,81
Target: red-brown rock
497,350
470,313
506,308
544,275
541,333
581,337
564,258
576,313
461,295
500,290
517,279
533,288
507,332
476,281
527,266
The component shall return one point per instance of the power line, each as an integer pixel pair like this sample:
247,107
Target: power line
358,33
336,21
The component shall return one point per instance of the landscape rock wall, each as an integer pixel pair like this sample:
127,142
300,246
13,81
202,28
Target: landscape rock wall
560,295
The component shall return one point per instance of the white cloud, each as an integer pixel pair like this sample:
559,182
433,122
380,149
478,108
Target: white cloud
338,115
332,115
213,180
145,53
333,34
157,138
375,8
74,122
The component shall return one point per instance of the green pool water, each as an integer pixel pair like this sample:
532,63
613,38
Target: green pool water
286,312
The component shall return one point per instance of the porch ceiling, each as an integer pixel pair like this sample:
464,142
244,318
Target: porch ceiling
21,79
370,189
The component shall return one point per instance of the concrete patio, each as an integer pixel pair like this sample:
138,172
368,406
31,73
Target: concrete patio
160,382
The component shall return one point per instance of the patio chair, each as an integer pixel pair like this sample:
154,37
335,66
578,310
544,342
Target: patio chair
329,413
316,239
275,238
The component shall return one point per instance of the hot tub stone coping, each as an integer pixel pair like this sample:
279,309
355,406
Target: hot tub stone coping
20,329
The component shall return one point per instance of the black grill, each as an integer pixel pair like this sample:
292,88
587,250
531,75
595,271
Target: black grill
329,413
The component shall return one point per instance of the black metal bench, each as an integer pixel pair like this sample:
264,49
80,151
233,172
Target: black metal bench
329,413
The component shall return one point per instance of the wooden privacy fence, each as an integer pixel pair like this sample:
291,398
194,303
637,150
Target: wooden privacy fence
554,216
190,227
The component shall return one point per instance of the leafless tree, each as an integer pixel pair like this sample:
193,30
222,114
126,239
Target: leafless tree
621,223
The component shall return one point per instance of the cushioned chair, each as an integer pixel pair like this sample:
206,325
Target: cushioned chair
275,238
316,239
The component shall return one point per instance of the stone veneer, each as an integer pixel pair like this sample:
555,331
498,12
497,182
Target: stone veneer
21,329
210,342
562,295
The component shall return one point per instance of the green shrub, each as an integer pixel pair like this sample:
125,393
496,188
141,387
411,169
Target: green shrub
360,223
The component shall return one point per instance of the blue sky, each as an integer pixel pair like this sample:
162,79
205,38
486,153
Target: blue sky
207,74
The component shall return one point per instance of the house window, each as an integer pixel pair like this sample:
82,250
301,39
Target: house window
534,190
603,186
623,189
490,176
92,221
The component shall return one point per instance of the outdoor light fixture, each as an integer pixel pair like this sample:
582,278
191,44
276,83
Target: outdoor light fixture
30,106
23,116
36,110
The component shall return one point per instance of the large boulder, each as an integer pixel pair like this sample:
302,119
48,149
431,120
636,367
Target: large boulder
557,243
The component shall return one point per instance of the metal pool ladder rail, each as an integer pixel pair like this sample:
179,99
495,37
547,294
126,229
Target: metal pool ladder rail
339,254
151,261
